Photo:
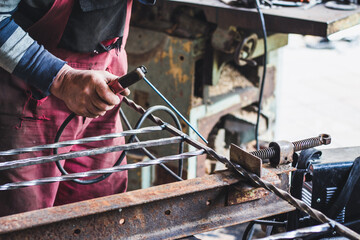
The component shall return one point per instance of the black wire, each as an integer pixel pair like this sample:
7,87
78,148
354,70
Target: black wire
178,125
64,172
147,153
257,3
123,154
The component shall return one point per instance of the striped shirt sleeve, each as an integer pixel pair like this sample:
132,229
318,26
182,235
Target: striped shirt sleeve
22,56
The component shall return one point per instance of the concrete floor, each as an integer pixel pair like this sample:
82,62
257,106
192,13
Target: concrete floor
318,92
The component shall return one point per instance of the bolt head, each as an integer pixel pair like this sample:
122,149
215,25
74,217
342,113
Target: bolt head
325,138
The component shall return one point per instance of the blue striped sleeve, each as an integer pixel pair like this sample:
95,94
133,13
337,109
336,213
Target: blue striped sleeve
25,58
38,68
148,2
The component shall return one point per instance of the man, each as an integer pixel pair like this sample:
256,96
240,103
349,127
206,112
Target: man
56,57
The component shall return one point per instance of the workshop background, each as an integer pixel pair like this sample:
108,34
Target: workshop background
318,93
319,90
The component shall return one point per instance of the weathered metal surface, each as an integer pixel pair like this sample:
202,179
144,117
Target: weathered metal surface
171,68
164,212
206,123
245,193
248,161
318,21
274,41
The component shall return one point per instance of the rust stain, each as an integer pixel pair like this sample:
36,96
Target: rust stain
175,70
236,196
159,57
187,47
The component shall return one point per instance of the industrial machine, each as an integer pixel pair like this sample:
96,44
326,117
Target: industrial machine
327,180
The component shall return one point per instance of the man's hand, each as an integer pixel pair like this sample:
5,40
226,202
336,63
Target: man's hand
85,92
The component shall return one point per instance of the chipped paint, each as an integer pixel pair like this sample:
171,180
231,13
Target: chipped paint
187,47
175,70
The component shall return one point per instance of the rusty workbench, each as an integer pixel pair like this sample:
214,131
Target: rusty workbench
317,21
163,212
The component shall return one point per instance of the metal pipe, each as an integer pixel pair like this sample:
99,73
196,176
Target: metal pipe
80,141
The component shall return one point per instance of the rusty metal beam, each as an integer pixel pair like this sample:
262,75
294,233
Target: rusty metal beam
163,212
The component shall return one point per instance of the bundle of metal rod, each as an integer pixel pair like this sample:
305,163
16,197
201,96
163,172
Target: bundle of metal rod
90,152
315,214
120,168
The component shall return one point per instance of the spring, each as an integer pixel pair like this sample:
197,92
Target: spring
307,143
265,153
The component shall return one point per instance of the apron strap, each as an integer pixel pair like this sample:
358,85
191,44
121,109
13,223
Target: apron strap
50,28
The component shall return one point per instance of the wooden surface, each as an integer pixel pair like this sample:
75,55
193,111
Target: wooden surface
317,21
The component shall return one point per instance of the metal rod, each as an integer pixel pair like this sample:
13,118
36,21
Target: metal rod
73,176
303,232
80,141
175,110
82,153
145,151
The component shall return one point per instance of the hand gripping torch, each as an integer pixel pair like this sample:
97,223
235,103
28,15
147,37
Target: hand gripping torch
138,74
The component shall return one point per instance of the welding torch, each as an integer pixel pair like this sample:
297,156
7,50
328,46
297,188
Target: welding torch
138,74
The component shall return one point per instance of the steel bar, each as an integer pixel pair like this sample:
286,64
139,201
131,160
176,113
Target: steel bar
73,176
82,153
175,110
80,141
303,232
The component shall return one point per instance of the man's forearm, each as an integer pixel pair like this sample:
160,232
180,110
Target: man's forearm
22,56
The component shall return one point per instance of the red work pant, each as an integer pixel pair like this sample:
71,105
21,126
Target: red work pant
25,122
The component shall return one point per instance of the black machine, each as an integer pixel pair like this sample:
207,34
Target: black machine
328,181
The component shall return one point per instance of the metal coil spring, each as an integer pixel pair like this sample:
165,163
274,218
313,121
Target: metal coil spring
307,143
265,153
